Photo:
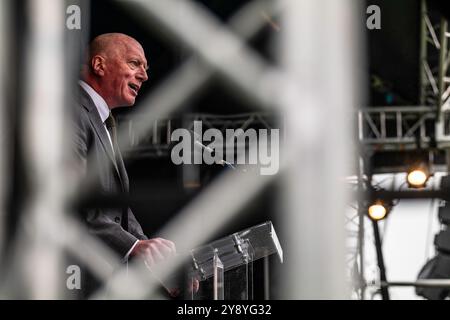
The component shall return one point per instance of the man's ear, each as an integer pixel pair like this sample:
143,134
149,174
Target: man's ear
98,65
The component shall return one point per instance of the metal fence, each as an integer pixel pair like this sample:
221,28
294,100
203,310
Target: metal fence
315,92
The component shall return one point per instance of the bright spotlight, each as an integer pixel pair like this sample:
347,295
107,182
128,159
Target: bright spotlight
417,177
378,211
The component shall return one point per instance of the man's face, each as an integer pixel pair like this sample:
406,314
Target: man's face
125,72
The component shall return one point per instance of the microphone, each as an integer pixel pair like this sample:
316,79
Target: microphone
222,162
201,145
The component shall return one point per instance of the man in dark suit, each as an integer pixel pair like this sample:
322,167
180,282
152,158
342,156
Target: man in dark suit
112,75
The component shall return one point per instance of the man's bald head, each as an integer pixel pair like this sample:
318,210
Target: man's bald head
115,68
110,45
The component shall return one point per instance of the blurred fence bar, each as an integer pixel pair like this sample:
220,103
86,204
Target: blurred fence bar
4,131
318,52
44,149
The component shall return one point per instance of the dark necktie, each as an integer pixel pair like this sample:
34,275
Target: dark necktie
111,126
110,123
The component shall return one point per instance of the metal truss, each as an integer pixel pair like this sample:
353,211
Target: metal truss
235,121
157,143
381,128
396,128
361,256
434,60
354,224
412,127
434,72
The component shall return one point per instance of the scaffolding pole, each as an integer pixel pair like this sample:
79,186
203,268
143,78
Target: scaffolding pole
423,53
442,68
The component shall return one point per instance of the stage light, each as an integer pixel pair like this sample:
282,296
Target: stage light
378,210
418,176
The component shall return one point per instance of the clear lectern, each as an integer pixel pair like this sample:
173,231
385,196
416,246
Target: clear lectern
225,267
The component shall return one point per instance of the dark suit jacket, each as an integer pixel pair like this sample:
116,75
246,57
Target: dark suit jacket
117,227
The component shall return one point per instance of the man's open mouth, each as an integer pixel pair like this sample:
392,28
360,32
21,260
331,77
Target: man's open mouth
134,88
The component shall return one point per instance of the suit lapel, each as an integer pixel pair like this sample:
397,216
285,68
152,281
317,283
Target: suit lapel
99,128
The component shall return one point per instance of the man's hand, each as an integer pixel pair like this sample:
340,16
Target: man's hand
154,250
